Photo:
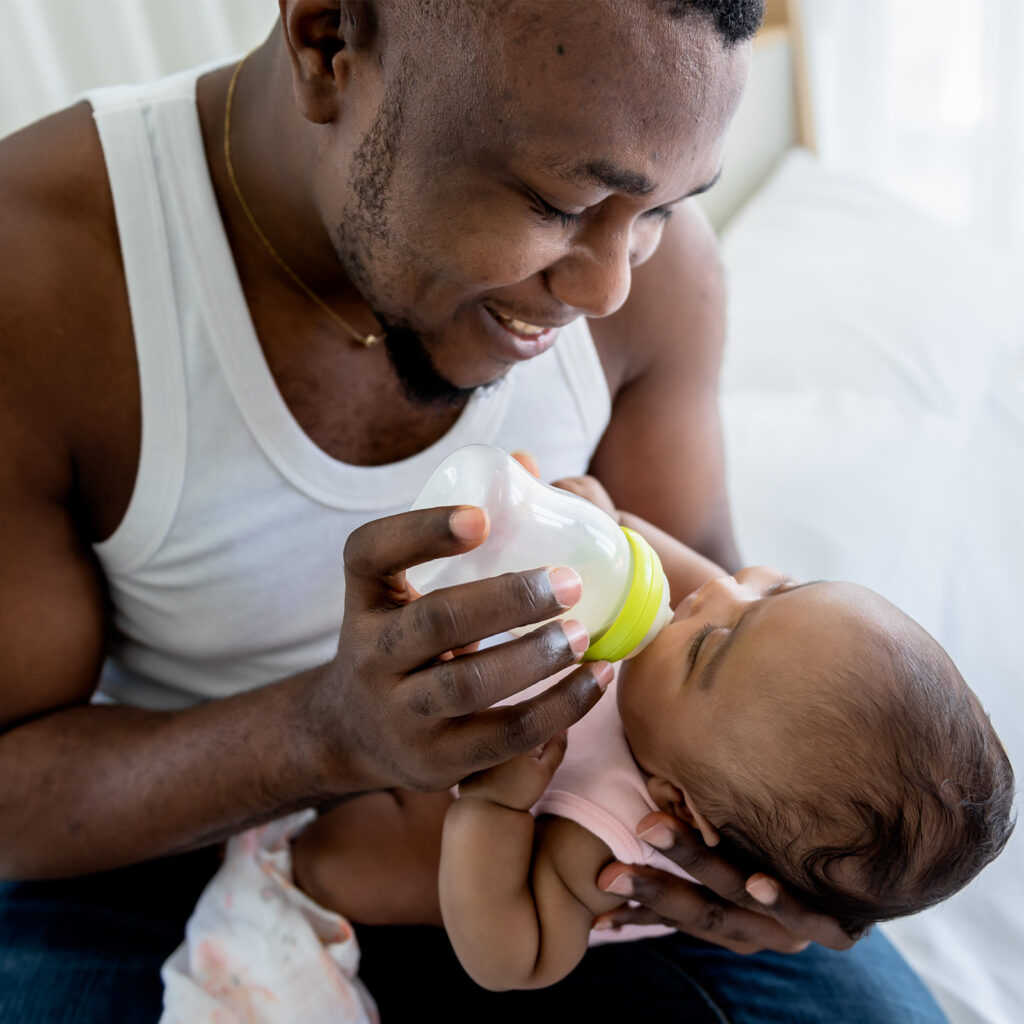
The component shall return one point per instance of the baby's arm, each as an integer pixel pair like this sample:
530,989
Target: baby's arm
518,904
685,568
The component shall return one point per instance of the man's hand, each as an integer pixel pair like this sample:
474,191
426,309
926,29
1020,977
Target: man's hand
390,710
586,486
591,489
723,910
518,784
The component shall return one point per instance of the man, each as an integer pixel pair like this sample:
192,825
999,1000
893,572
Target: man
196,412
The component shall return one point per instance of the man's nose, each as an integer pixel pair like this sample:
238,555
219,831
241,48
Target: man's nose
595,277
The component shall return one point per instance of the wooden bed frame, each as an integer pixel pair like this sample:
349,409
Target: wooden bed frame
774,115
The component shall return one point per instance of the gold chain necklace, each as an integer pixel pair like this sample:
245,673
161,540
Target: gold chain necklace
364,339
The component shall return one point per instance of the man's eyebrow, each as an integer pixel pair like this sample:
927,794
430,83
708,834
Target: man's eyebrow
704,188
633,183
604,172
706,678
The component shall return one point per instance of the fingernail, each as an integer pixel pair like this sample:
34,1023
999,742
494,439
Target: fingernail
526,455
763,890
469,523
566,585
603,673
601,926
800,948
660,836
577,635
621,885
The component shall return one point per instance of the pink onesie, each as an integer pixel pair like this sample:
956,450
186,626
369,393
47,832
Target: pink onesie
600,787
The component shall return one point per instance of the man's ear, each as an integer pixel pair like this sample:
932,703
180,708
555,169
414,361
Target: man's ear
321,38
677,802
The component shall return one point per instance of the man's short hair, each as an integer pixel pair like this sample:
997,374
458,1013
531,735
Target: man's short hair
735,21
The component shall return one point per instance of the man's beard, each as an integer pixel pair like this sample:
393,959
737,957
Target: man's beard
420,380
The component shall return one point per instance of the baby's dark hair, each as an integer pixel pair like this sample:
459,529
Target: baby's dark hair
905,795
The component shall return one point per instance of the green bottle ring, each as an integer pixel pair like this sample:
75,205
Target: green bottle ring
639,610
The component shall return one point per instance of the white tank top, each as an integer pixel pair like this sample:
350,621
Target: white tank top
226,571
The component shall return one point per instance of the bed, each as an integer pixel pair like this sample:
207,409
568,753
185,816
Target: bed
873,400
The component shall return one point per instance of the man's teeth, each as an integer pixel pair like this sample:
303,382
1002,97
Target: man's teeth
521,327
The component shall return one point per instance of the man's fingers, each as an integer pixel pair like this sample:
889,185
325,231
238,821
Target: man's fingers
686,848
590,490
667,899
453,617
493,736
773,899
758,936
626,914
528,461
473,682
573,484
380,550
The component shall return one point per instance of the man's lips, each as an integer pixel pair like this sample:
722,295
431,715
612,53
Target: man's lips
519,327
530,339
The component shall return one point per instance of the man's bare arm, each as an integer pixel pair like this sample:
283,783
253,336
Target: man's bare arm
90,787
662,455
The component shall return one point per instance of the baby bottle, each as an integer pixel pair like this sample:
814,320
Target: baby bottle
625,598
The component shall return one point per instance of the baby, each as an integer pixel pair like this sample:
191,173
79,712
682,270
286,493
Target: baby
812,727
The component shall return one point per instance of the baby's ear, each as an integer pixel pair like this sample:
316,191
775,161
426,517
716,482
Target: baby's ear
667,796
677,802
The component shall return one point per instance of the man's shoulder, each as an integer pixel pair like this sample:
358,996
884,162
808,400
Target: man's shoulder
65,329
55,203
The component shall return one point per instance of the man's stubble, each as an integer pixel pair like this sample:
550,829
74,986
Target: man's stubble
366,233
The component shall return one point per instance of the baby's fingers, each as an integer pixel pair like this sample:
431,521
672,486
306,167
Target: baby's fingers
519,782
550,754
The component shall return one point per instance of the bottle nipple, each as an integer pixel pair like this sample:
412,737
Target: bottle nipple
644,612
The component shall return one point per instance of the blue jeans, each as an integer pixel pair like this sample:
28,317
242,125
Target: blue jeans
88,951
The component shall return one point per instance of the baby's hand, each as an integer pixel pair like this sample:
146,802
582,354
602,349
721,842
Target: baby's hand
588,487
519,783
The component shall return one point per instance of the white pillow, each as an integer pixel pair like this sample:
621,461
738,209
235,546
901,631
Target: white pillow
862,336
839,285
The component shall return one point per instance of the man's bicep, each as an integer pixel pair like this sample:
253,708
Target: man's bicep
662,455
52,627
666,464
63,318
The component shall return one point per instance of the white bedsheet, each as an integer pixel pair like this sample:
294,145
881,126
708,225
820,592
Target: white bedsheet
874,411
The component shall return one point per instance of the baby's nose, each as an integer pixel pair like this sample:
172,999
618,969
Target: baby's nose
716,594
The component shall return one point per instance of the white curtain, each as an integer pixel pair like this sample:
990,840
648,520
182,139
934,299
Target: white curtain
51,50
926,98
